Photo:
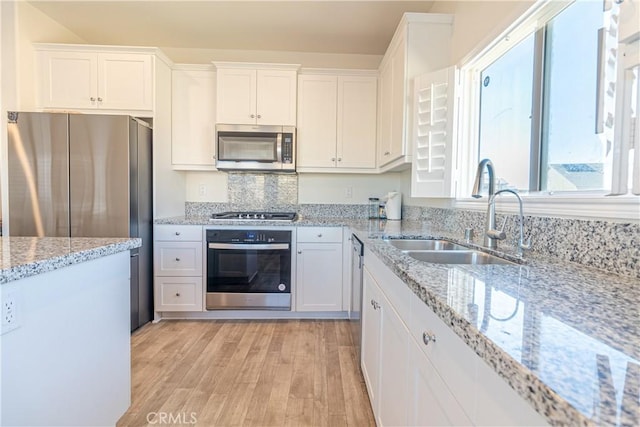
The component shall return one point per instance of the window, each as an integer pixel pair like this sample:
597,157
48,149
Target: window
544,105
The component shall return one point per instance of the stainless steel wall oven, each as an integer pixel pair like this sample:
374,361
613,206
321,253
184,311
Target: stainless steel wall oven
248,269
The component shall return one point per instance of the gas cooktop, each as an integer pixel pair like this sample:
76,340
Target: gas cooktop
255,216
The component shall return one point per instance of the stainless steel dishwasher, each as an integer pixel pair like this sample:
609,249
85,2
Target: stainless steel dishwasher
357,256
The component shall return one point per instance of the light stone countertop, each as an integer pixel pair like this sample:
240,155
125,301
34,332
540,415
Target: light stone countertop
564,336
22,257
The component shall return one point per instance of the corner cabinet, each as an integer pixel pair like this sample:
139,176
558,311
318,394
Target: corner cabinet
256,94
420,44
418,371
193,117
337,121
319,278
177,267
95,78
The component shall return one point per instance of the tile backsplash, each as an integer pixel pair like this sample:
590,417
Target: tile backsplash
609,246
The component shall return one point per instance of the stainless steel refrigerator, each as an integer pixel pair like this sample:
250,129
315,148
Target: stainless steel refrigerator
82,175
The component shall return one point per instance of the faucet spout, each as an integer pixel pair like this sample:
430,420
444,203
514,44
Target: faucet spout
475,193
490,220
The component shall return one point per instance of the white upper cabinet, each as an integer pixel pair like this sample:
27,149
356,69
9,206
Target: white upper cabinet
420,44
629,28
432,172
71,78
193,117
256,94
337,122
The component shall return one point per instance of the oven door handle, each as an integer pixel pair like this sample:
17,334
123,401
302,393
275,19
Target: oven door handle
252,247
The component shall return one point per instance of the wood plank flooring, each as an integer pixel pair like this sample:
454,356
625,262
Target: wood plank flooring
246,373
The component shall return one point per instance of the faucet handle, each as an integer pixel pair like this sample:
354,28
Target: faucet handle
525,244
498,234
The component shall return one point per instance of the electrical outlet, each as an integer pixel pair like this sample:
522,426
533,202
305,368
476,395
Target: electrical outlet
10,313
202,190
348,192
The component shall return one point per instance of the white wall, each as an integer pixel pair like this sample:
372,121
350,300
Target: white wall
333,188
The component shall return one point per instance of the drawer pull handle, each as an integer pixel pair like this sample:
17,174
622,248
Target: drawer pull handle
299,252
319,234
177,294
375,305
427,338
177,233
177,259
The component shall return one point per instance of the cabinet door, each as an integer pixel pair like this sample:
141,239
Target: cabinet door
276,97
371,324
178,258
356,125
125,81
430,401
68,79
384,115
398,101
178,293
316,129
394,352
236,96
193,119
319,277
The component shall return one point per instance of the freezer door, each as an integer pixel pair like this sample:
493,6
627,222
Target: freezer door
99,175
38,167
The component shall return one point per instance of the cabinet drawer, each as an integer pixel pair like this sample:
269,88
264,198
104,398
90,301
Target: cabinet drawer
175,233
178,293
319,234
396,291
178,258
451,357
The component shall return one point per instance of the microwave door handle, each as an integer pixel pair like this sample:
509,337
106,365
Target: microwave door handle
279,147
242,246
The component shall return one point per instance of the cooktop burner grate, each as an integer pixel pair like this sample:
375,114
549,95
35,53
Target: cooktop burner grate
255,216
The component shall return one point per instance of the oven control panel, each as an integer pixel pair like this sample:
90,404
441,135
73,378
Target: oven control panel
248,236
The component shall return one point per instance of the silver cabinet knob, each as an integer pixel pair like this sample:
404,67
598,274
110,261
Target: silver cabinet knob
339,159
253,116
99,99
177,294
299,252
386,153
92,99
177,233
428,337
177,259
319,234
259,116
333,159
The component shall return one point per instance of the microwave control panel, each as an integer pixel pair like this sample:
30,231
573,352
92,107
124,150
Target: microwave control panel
287,148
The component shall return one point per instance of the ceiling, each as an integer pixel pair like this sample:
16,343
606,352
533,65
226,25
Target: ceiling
345,27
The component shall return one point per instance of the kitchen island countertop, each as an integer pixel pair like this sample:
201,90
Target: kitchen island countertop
21,257
564,336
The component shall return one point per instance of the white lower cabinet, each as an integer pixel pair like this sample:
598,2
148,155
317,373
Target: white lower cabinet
319,269
430,401
177,268
419,372
385,344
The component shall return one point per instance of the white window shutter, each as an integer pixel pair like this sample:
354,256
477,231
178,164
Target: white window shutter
626,132
432,170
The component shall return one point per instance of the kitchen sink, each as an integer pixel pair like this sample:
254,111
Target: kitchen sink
424,245
456,257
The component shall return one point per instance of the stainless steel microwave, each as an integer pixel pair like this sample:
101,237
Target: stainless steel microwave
250,147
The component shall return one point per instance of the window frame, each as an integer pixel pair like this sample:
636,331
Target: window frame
570,204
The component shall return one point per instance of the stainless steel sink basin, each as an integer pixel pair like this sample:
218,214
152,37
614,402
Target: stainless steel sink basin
424,245
456,257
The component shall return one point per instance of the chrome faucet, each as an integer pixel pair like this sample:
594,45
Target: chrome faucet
490,220
500,234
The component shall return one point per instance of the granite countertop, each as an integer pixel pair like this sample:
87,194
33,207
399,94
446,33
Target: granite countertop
564,336
22,257
205,220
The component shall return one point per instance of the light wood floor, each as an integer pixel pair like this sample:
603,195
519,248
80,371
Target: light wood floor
246,373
